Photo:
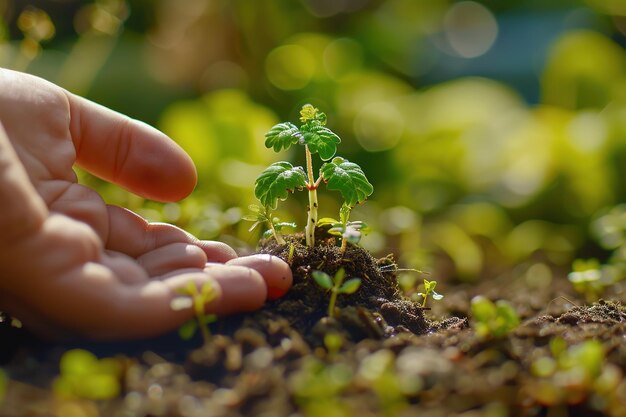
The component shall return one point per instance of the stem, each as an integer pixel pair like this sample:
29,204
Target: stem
344,245
424,302
277,235
311,220
331,303
206,336
198,304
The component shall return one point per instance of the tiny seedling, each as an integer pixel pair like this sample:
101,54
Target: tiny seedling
493,320
350,232
262,215
586,278
83,375
192,298
336,286
429,290
281,178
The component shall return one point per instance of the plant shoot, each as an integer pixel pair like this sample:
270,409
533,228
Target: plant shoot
192,298
336,286
281,178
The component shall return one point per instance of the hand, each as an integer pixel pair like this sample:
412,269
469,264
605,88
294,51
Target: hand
70,264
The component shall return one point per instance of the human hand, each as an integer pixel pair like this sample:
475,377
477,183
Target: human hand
70,264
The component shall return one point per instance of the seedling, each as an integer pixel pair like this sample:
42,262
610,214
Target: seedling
495,320
263,215
281,178
429,289
587,279
192,298
336,286
83,375
350,232
571,373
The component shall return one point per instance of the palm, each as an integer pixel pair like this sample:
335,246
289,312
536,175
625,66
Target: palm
94,262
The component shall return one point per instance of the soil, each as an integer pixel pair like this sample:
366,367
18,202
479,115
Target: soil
381,355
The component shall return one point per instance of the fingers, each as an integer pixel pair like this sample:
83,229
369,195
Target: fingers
243,289
94,303
129,153
172,257
276,273
133,235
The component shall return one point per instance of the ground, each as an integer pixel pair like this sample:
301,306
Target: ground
382,355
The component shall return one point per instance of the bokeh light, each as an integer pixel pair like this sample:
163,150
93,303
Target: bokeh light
470,29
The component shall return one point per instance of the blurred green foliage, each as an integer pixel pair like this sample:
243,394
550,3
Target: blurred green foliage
493,132
83,375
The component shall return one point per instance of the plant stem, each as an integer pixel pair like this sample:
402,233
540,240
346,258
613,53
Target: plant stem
206,336
311,220
344,245
331,303
279,238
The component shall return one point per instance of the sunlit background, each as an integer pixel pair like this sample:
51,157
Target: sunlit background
494,132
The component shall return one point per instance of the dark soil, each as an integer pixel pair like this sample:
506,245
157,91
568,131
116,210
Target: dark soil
382,355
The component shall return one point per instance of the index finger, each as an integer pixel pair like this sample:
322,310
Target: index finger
129,153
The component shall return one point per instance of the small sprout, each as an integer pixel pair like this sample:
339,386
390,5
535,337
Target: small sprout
429,289
192,298
493,320
586,278
336,286
83,375
281,178
350,232
262,215
574,371
292,249
333,342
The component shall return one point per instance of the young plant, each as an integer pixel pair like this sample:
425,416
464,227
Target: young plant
83,375
279,179
192,298
263,215
591,279
350,232
493,320
336,286
429,289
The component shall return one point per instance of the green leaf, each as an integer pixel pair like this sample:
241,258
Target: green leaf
322,279
320,140
208,292
482,308
339,276
347,178
282,136
281,225
187,330
207,319
310,113
276,181
327,222
350,286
